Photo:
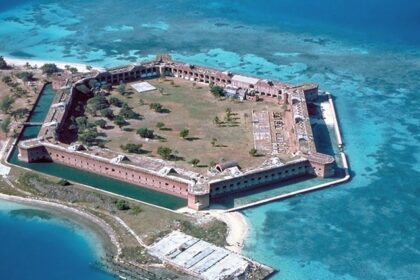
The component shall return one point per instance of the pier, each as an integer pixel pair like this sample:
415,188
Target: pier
33,123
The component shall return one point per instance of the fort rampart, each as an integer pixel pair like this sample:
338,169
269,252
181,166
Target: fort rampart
160,175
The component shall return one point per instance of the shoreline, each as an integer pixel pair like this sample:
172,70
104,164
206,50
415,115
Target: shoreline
21,62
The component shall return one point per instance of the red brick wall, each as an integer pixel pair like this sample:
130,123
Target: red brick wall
123,173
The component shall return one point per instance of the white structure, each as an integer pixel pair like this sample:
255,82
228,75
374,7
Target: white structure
200,258
143,87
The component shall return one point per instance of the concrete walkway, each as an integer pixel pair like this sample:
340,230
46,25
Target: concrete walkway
4,170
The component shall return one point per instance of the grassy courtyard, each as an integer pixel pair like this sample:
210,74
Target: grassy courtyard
189,106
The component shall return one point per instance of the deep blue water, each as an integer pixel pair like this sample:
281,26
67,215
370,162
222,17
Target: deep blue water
367,53
33,240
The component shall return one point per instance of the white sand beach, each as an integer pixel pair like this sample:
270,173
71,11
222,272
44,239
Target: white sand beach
236,223
237,228
19,62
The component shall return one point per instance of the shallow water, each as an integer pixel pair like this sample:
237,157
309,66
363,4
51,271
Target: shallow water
364,52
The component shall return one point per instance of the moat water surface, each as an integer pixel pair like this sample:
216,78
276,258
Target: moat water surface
365,52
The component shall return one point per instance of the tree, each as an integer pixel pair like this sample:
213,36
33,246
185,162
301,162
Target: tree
120,121
253,152
121,88
25,76
96,103
73,70
217,91
107,113
160,125
145,133
157,107
6,103
88,136
115,101
195,162
101,123
49,68
127,112
3,63
164,152
83,124
132,148
184,133
5,126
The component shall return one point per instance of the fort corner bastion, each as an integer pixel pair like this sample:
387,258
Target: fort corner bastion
163,176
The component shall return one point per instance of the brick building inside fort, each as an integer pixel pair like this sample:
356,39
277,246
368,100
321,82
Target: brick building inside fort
162,175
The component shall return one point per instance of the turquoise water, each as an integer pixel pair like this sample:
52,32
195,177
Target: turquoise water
33,239
365,52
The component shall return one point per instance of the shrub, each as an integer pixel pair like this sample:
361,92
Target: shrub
63,182
195,162
49,68
121,89
107,113
164,152
132,148
217,91
101,123
96,103
145,133
115,101
122,205
160,125
184,133
6,103
120,121
157,107
3,64
25,76
127,112
253,152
